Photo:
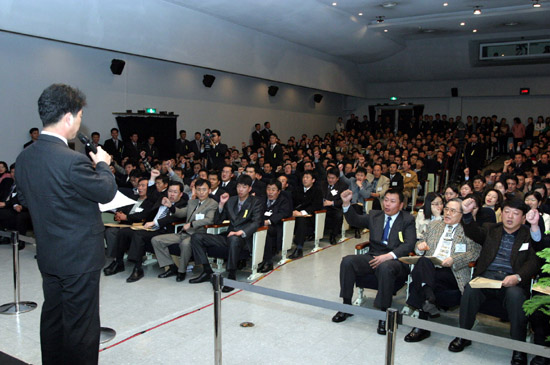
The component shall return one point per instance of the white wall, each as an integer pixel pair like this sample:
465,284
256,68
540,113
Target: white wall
233,104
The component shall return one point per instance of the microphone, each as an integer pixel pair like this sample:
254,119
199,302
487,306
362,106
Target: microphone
86,142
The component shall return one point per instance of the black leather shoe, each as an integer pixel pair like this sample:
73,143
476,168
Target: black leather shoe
266,267
381,330
341,317
167,274
458,344
539,360
136,275
417,335
298,252
357,233
113,268
201,278
180,277
519,358
227,289
332,239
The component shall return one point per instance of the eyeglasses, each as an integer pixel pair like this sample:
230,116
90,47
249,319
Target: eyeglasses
437,203
451,210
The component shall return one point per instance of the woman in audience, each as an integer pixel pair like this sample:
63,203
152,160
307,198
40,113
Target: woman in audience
543,191
6,180
433,206
501,186
451,192
466,188
533,199
493,199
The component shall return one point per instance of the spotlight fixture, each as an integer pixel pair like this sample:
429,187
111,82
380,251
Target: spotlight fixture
445,4
462,24
334,3
360,14
536,4
380,19
474,31
477,11
385,31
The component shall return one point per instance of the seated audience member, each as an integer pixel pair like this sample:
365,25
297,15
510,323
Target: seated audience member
493,200
6,181
258,187
228,184
431,211
502,186
512,191
410,180
541,188
533,199
199,213
13,215
34,133
479,213
450,192
507,254
396,179
466,188
129,214
445,240
245,214
478,183
380,184
307,200
332,202
286,189
277,207
361,190
158,222
158,185
215,189
392,235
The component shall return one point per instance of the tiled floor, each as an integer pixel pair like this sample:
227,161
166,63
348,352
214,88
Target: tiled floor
178,320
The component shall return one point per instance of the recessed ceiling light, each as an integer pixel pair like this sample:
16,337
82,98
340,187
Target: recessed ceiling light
462,24
360,14
511,24
536,4
385,31
445,4
474,31
477,11
334,4
389,4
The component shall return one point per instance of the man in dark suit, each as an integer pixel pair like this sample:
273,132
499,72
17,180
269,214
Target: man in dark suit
244,213
158,222
307,200
257,137
196,146
392,235
228,184
216,190
34,133
182,145
132,149
277,208
258,187
95,139
70,251
274,152
114,146
507,255
332,202
151,150
216,155
474,153
266,132
396,179
13,215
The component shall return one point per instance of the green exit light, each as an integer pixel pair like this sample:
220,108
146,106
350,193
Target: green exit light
393,98
151,110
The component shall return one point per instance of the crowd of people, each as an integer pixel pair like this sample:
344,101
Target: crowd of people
498,217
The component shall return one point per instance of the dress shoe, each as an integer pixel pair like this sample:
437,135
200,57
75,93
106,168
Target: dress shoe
227,289
357,233
332,239
519,358
136,275
113,268
381,330
167,274
266,267
417,335
201,278
341,317
539,360
298,252
458,344
180,277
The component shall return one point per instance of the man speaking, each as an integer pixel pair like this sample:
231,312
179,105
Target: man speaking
61,188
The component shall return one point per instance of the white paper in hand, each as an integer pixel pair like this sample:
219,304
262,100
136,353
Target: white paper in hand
120,200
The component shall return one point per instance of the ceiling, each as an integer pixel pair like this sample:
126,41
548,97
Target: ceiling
340,31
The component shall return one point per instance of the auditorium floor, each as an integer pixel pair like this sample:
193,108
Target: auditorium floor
160,321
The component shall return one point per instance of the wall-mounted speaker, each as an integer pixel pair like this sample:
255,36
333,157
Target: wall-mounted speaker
317,98
454,92
208,80
272,90
117,66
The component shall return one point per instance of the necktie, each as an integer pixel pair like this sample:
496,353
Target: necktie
269,203
160,214
239,207
386,231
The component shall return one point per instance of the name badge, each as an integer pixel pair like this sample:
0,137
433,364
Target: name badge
460,247
379,189
334,192
199,216
138,210
268,213
394,183
524,246
245,213
401,237
408,175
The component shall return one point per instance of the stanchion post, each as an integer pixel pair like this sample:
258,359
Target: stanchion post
391,332
217,283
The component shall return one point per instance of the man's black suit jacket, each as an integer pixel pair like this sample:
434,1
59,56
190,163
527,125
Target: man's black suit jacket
61,188
110,147
164,223
257,139
279,210
137,217
310,201
248,219
219,193
338,188
182,147
131,151
258,188
275,156
396,182
231,187
401,240
216,157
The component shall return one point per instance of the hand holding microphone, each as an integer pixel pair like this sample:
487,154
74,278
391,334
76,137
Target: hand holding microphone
96,153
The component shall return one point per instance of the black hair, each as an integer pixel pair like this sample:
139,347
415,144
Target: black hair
244,180
396,191
516,203
427,208
215,173
95,134
200,182
333,171
57,100
34,129
275,182
165,179
114,129
500,197
176,183
216,131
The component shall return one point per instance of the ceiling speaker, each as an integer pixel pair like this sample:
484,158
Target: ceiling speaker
272,90
454,92
117,66
208,80
317,98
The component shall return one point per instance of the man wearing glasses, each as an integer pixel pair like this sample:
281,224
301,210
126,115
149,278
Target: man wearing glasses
446,241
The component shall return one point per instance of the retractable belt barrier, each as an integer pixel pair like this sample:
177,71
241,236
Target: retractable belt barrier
392,317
